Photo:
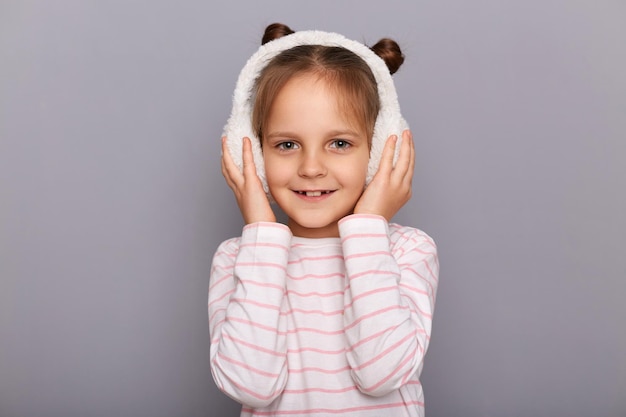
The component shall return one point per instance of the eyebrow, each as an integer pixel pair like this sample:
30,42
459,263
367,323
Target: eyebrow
331,133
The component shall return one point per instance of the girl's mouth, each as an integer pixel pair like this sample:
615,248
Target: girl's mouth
317,193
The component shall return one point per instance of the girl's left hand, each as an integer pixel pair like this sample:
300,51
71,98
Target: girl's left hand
390,189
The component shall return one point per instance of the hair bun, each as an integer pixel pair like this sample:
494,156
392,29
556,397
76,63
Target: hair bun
390,52
275,31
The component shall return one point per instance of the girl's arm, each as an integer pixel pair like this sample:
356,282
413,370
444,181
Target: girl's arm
392,278
248,341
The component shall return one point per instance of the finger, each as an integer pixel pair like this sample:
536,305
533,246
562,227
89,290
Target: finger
404,157
229,169
226,175
402,165
386,159
412,161
225,157
408,175
249,167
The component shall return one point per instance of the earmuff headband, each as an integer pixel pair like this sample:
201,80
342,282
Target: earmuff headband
389,121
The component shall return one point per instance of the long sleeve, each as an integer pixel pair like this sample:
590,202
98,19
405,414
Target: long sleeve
392,275
246,291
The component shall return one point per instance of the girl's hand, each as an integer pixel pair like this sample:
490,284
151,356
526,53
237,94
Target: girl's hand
248,190
390,188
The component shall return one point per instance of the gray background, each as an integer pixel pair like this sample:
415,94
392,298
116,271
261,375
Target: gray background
112,201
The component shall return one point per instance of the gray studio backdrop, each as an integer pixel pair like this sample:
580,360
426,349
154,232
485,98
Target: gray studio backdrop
112,202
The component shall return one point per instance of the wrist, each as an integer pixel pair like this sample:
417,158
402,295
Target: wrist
364,211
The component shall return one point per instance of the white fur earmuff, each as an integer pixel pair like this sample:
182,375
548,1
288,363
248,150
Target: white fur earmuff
389,121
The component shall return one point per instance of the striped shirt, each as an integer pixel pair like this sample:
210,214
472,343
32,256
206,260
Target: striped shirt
323,327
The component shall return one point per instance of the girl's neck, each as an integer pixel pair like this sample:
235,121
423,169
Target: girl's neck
329,231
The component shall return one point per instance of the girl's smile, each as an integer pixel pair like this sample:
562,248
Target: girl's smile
314,194
315,156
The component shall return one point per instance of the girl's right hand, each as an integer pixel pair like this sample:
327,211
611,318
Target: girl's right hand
248,190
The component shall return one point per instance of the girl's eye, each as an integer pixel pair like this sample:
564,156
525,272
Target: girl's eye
340,144
287,146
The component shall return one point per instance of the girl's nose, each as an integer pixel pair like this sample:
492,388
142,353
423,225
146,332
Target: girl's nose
312,165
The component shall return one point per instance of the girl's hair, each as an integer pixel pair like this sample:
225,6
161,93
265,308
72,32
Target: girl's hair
344,71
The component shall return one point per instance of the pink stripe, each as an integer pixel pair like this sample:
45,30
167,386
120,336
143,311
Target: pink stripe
307,312
315,258
378,334
315,276
387,351
219,310
430,270
262,284
398,234
409,372
395,371
364,235
315,294
224,268
398,252
372,272
219,281
218,262
309,411
262,265
324,390
372,292
246,366
368,254
371,337
423,252
407,376
303,245
375,313
256,303
408,266
264,245
320,370
255,347
250,392
216,340
362,216
221,297
312,330
427,239
281,333
414,289
417,308
322,351
266,225
418,242
432,288
411,237
216,314
252,323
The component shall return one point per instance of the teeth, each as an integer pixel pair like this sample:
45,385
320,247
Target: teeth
313,193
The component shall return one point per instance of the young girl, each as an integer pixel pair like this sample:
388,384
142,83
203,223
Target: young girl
330,314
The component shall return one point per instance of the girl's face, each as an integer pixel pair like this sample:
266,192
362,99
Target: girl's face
315,157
